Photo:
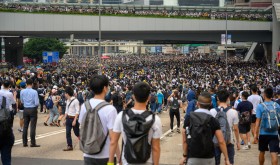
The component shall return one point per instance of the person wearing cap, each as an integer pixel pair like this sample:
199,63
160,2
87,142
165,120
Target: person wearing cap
20,107
54,111
30,100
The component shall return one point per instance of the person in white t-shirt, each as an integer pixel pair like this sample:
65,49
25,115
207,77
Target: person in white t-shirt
255,99
232,117
141,95
99,84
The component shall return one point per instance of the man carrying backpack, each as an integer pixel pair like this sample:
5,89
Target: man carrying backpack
102,115
198,133
245,109
267,125
228,120
141,131
6,133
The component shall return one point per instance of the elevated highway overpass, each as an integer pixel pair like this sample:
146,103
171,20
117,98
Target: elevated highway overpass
119,27
131,28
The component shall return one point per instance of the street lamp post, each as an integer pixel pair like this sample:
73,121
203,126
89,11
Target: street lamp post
99,38
226,45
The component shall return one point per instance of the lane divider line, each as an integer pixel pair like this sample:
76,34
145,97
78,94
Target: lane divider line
17,142
168,132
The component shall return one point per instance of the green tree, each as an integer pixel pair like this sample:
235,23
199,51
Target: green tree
36,46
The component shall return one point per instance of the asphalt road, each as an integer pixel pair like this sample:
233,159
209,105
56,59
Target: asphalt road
53,141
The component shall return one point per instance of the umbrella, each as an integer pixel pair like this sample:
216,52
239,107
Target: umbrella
105,57
19,67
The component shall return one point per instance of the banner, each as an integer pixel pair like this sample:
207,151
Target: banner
278,57
223,39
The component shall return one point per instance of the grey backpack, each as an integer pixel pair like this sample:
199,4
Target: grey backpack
92,136
5,118
225,128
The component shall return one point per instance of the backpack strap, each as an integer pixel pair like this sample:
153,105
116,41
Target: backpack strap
3,102
101,105
265,107
130,114
88,106
227,109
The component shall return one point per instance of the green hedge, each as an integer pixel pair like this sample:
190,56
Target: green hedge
123,15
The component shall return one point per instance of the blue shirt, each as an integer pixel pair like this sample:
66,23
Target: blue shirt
191,95
160,98
29,98
259,112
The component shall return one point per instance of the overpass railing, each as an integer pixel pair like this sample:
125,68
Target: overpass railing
217,13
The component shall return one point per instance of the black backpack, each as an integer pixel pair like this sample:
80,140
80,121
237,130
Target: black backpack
137,148
153,98
80,97
175,104
200,138
62,101
5,119
120,99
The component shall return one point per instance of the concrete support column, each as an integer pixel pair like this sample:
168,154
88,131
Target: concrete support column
14,50
92,50
106,49
267,51
2,48
275,34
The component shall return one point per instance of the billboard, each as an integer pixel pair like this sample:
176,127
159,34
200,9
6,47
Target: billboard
50,57
223,39
185,49
158,49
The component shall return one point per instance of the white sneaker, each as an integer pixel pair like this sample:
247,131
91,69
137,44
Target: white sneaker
249,145
245,148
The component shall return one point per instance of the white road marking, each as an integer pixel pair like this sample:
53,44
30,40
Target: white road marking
17,142
168,132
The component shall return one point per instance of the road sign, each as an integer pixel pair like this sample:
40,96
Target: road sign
50,57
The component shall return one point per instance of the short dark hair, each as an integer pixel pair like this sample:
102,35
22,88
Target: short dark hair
222,96
69,90
6,84
98,82
29,81
245,95
141,92
204,100
268,92
254,88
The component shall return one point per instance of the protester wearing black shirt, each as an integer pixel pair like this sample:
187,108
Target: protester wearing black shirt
245,109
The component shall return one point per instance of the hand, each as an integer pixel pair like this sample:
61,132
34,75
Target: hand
238,146
74,123
227,162
255,138
182,160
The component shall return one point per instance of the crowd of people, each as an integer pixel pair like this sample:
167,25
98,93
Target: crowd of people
136,12
131,84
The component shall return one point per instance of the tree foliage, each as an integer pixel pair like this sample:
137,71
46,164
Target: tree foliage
36,46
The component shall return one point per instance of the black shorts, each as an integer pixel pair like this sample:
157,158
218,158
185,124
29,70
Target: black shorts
270,141
253,118
244,128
